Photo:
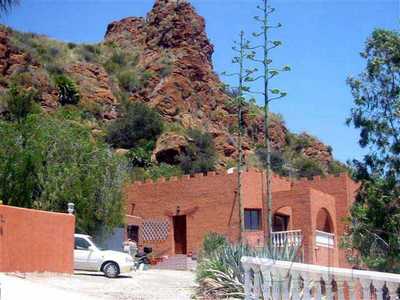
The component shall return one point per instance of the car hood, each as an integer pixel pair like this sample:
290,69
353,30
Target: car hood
108,254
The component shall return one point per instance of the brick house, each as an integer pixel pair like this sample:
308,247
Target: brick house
173,216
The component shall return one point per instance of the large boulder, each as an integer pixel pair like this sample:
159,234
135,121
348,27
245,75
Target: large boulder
169,147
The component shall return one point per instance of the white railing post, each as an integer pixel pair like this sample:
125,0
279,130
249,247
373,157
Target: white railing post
352,283
317,287
247,281
328,286
366,288
392,287
257,283
340,287
295,286
266,288
379,285
307,285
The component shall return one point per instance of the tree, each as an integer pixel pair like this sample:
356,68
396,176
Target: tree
48,161
375,224
200,156
269,94
137,126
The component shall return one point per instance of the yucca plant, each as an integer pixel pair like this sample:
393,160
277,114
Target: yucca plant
220,274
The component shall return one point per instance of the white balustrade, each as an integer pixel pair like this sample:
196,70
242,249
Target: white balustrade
269,279
324,239
287,238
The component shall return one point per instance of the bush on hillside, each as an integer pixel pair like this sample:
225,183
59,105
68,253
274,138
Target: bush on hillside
67,90
129,80
140,156
306,167
88,53
277,161
200,156
137,126
20,102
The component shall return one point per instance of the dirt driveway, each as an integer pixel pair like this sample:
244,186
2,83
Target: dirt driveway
141,285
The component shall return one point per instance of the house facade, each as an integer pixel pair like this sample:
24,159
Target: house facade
173,216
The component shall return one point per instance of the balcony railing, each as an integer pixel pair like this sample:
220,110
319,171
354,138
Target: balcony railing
324,239
276,280
287,238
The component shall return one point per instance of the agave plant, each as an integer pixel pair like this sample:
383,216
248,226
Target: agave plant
220,274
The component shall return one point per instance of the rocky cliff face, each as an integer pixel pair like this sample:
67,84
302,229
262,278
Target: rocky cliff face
174,51
190,93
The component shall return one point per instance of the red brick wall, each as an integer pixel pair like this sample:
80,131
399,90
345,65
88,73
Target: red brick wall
207,201
343,189
210,204
35,241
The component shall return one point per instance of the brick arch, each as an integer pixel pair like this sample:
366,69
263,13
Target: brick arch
324,221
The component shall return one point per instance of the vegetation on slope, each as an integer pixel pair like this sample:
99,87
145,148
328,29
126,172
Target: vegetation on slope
47,161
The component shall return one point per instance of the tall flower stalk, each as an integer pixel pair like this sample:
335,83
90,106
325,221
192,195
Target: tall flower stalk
241,48
266,46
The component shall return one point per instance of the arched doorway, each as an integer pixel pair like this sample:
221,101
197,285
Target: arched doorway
282,219
324,221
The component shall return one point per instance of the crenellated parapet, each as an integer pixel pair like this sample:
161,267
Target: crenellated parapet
229,173
196,176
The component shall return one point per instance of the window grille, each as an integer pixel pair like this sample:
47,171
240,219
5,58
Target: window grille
155,230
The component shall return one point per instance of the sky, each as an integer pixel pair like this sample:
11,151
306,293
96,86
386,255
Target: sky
321,39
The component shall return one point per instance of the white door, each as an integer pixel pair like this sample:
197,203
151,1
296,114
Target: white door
82,254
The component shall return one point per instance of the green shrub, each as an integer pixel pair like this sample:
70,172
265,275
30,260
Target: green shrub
299,142
121,61
200,156
137,126
129,81
163,170
306,167
140,156
335,167
67,89
71,45
212,242
221,276
20,102
277,161
88,53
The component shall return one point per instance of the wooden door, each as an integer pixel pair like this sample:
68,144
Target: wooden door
179,223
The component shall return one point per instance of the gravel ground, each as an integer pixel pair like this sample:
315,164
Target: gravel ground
141,285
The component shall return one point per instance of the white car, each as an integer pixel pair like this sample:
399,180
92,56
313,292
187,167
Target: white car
89,257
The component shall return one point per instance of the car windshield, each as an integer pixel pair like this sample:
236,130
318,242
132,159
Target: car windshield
92,241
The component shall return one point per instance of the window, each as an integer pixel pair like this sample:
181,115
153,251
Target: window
252,219
81,244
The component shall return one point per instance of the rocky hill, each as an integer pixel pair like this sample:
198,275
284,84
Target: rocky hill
163,60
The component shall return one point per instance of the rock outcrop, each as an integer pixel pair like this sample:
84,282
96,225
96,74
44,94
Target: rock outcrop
18,66
95,87
175,53
169,147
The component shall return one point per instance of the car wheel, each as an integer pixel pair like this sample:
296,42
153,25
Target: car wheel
111,270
